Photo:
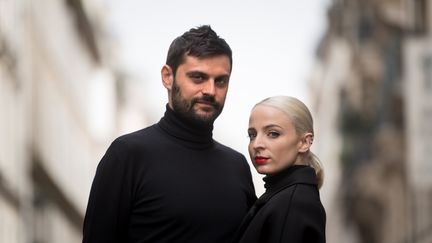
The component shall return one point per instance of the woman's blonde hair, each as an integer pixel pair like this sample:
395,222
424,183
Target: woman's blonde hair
302,120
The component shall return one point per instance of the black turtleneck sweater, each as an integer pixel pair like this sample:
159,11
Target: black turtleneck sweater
170,182
290,211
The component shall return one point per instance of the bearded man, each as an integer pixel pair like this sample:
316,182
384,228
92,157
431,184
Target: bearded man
172,182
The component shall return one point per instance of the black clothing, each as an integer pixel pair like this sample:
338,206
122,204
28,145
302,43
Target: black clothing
170,182
290,210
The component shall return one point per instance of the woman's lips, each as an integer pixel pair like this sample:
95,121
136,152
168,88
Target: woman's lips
260,160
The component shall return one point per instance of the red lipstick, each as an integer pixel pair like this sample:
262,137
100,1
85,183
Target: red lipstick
260,160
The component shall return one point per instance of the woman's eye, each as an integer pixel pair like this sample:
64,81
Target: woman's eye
273,134
251,135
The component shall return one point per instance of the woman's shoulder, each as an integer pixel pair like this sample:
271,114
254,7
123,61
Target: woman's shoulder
296,195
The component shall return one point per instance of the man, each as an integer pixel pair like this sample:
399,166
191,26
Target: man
171,182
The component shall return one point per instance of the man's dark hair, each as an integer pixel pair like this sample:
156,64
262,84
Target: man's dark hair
200,42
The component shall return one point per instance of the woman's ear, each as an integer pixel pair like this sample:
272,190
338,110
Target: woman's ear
306,142
167,77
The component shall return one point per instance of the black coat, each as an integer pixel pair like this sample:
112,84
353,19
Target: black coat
290,211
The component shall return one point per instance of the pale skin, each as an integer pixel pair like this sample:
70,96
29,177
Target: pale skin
274,143
197,77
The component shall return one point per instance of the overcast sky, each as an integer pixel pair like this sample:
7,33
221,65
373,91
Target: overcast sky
273,45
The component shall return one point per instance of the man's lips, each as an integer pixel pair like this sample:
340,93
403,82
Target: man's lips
260,160
207,104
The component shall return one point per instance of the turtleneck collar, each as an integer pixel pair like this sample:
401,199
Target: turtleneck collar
293,175
296,174
188,134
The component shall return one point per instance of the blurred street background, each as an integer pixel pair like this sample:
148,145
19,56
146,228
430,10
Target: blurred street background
75,74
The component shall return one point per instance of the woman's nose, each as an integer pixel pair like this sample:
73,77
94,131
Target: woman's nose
257,143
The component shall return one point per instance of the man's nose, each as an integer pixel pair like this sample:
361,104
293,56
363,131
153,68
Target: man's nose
209,88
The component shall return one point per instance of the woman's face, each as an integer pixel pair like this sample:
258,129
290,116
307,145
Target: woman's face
274,144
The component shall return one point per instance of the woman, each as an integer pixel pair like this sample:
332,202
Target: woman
281,133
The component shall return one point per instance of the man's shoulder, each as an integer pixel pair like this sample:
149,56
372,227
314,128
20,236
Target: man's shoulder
232,160
229,150
137,138
138,134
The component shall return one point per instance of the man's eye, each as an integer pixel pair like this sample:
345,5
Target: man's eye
221,81
197,77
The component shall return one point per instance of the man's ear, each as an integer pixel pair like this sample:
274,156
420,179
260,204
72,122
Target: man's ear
306,142
167,77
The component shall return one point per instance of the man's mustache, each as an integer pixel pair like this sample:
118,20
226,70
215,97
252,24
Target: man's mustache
208,99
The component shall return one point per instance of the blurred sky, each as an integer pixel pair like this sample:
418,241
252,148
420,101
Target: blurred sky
273,45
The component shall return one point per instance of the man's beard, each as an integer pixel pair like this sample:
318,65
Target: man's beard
185,108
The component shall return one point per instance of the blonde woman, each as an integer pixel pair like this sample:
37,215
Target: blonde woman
281,134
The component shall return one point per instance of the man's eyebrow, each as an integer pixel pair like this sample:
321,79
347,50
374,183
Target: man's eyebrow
195,72
223,76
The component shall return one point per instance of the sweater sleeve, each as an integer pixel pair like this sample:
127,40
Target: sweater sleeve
108,208
250,186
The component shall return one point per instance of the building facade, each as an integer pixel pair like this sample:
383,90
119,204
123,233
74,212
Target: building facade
371,91
60,104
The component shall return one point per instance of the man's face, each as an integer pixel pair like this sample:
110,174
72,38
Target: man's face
199,88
